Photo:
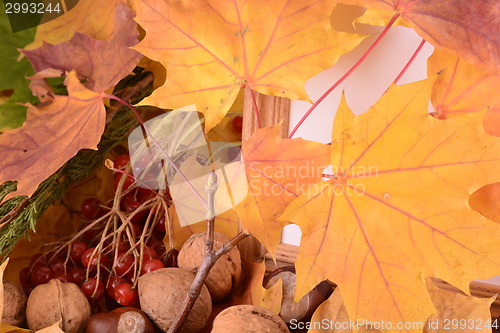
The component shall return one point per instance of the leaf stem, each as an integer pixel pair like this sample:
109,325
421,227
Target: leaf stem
410,61
346,75
148,132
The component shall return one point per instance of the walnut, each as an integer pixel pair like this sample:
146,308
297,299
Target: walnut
14,303
248,319
224,274
161,294
48,303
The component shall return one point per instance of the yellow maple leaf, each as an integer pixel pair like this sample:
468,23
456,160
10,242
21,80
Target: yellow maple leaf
213,48
396,209
463,88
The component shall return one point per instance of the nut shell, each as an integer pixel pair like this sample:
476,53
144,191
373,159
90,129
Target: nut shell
14,303
226,272
162,293
248,319
48,303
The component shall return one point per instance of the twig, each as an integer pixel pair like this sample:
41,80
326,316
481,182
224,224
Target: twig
13,213
210,258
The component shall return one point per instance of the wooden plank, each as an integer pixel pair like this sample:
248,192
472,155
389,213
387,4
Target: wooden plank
270,111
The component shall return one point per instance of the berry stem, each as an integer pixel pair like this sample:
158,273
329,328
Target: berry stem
150,135
346,75
126,174
410,61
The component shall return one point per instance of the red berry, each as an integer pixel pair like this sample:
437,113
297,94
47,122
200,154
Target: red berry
157,245
152,265
124,263
77,249
129,181
93,288
92,233
41,275
62,277
38,260
91,208
89,259
57,265
160,225
24,276
29,287
238,124
149,254
144,194
125,295
121,162
138,228
129,204
112,283
77,275
123,246
147,165
87,256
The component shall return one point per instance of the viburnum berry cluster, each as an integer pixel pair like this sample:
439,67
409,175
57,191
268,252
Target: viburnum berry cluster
117,242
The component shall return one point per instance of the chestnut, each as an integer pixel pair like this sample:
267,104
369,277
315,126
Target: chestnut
120,320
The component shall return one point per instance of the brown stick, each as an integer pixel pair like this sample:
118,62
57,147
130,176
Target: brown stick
194,290
210,258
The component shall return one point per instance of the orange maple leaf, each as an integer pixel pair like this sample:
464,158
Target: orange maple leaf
213,48
102,63
396,210
486,201
51,135
462,88
467,28
277,170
